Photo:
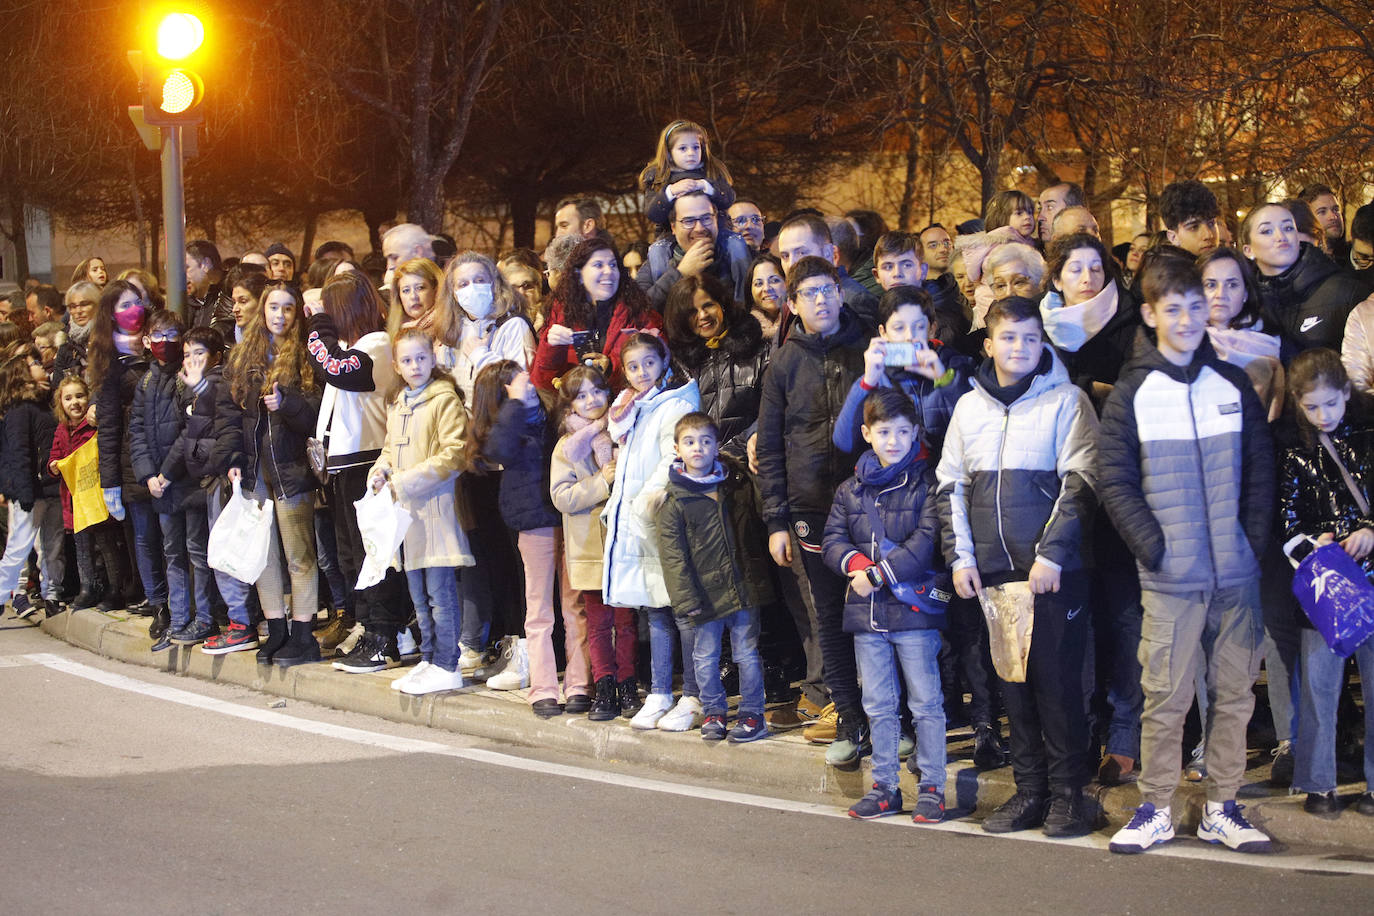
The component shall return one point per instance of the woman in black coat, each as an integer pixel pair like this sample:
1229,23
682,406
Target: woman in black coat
721,345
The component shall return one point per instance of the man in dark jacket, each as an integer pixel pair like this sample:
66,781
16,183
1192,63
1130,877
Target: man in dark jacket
800,468
708,534
808,235
1186,471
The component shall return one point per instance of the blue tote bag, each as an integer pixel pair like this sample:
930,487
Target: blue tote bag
1337,598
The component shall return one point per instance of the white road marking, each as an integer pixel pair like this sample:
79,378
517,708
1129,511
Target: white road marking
16,661
1181,848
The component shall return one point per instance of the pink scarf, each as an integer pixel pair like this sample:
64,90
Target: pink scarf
625,404
586,437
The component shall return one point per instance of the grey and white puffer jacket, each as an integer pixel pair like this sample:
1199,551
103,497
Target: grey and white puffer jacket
1016,480
1186,469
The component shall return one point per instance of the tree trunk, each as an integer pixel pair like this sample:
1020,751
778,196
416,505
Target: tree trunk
140,221
909,182
427,202
19,226
524,210
990,172
308,243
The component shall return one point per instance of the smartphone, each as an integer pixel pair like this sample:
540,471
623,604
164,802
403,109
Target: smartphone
900,352
583,341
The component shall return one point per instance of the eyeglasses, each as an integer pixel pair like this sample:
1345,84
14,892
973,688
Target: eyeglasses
946,243
1361,261
817,293
165,336
691,222
742,221
1019,283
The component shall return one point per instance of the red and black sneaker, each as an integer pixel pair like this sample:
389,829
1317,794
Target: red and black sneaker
237,638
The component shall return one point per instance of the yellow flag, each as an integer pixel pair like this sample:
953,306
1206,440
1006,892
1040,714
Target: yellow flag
81,473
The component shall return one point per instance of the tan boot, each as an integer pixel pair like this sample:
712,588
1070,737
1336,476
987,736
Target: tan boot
337,631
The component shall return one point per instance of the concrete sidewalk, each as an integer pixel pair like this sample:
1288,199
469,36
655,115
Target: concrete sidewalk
784,765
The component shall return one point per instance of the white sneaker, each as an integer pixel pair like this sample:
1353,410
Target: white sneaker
406,644
469,660
685,716
655,706
516,675
404,679
1148,826
1222,822
351,640
432,680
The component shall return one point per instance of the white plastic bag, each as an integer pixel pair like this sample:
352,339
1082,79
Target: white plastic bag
382,522
1010,613
241,538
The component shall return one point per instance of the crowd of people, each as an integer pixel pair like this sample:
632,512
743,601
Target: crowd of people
789,460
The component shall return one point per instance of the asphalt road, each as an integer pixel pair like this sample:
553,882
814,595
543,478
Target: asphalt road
152,793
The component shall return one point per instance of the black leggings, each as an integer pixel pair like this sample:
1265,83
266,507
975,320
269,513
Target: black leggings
382,608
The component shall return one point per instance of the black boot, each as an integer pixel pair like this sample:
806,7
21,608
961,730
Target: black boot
300,648
606,705
161,621
276,638
629,698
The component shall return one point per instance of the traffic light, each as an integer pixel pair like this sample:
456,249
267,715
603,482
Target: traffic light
173,39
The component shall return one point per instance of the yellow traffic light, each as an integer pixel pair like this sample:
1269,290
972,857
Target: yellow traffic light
174,60
179,35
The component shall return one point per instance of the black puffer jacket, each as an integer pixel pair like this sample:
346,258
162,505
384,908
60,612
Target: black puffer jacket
197,443
251,438
155,423
113,402
1310,301
952,321
730,377
521,442
887,517
805,387
714,551
28,428
1313,497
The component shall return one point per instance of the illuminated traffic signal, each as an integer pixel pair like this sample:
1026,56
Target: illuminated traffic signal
173,58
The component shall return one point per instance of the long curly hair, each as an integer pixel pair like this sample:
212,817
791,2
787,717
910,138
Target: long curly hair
16,380
100,350
259,360
579,311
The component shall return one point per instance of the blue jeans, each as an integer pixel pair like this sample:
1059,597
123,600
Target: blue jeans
434,592
1323,673
744,649
663,632
148,550
327,556
912,655
1116,620
185,537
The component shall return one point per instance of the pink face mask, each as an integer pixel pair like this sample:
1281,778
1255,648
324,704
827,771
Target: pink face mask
130,320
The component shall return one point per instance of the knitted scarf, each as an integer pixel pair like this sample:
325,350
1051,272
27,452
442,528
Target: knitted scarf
586,437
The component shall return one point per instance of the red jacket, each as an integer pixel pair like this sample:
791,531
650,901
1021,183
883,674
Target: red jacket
66,440
550,362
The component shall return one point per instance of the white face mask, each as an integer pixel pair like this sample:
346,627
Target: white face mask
476,299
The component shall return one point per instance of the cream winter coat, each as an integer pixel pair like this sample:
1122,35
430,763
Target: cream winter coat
579,490
424,453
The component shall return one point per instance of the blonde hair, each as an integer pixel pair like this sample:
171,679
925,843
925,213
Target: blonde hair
423,268
448,329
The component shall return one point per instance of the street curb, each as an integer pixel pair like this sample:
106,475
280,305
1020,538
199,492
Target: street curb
784,764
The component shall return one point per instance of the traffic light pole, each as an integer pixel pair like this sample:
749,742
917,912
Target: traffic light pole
174,221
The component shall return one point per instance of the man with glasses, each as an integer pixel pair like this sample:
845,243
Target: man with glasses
695,247
747,220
